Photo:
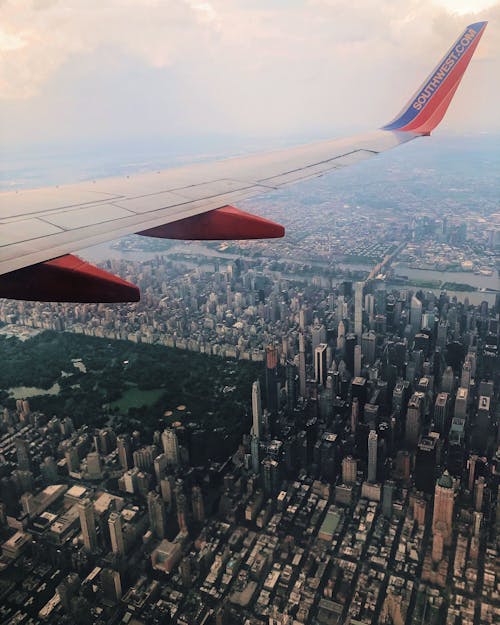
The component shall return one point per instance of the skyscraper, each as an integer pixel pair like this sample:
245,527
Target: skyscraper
372,456
320,364
415,314
171,447
442,518
368,342
461,401
157,514
441,413
414,416
358,310
87,523
23,454
116,533
349,470
357,360
198,504
124,451
256,410
302,365
272,379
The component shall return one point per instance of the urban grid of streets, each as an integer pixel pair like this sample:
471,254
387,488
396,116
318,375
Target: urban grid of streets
366,490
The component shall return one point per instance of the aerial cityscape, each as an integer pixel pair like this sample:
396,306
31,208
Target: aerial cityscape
249,312
301,431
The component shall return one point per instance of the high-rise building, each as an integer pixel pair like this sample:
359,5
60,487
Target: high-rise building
448,381
349,470
255,452
256,410
481,430
157,514
124,451
171,447
479,493
94,466
442,518
87,523
116,533
461,401
368,344
414,417
160,465
271,475
415,314
372,456
320,364
354,414
358,309
302,365
22,454
198,504
272,379
357,360
426,464
388,491
111,584
441,413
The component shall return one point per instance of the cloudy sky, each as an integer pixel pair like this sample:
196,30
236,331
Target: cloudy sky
79,72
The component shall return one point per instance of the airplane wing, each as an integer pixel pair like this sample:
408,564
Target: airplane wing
39,229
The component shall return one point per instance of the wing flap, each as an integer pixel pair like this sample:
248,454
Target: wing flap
223,224
66,279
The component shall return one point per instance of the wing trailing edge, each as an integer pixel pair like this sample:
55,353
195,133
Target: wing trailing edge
66,279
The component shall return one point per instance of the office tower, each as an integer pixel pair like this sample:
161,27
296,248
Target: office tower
48,470
442,518
320,364
291,385
415,314
87,523
144,458
370,305
481,429
368,343
328,456
116,533
388,491
437,546
357,360
318,335
479,493
197,504
302,365
160,465
124,451
400,396
72,459
22,454
372,456
461,403
471,466
67,590
171,447
441,413
349,470
256,410
341,337
157,515
442,333
272,380
94,467
255,452
414,417
271,475
111,585
354,414
350,343
358,309
465,380
426,464
486,388
359,391
448,381
181,503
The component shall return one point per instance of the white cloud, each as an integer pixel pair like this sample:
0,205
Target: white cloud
232,65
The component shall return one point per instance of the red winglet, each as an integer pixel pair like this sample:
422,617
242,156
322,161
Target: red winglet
66,279
222,224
